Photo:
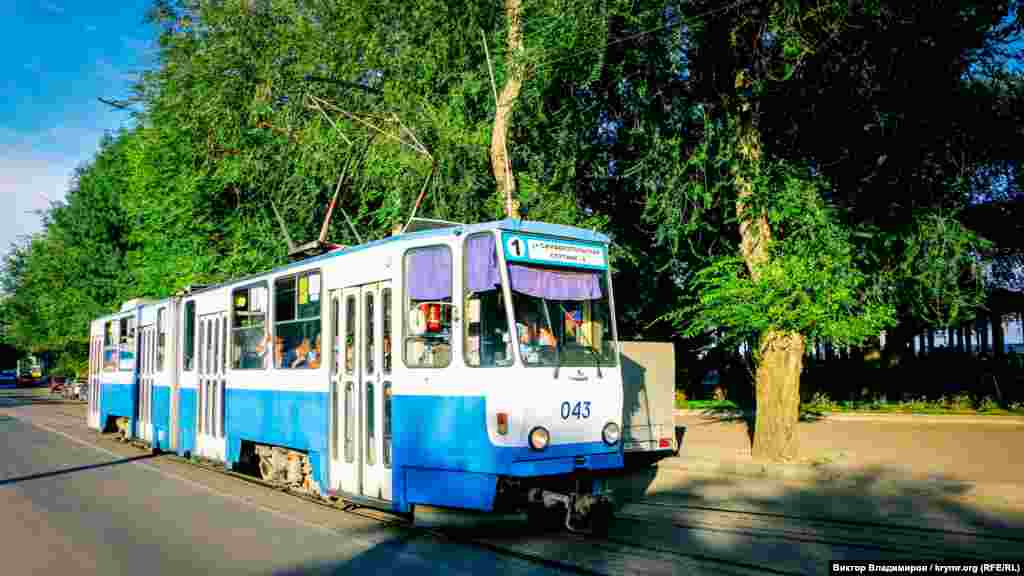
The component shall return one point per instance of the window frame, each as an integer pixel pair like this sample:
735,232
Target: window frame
296,319
503,291
189,332
232,360
405,307
386,326
161,337
130,341
110,326
351,308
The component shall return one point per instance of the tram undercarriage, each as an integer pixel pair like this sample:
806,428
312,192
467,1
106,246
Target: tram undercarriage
582,504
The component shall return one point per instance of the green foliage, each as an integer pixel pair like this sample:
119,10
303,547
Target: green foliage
941,270
811,284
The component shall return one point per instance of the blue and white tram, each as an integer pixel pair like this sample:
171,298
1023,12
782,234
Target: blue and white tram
471,367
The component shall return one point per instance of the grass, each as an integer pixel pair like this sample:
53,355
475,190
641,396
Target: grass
959,404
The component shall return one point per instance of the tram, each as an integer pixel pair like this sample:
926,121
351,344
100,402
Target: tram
472,367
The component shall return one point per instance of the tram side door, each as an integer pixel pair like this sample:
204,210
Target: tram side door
147,361
345,387
211,360
95,365
360,384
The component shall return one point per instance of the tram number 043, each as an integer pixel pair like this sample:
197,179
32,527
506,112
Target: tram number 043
579,410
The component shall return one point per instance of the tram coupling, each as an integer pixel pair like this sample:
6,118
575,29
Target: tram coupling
585,513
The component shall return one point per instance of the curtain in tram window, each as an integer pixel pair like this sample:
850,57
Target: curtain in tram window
554,285
428,273
482,264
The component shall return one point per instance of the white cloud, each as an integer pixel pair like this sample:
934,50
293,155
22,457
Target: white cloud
33,174
27,185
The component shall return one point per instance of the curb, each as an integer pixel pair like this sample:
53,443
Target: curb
823,473
1007,495
867,417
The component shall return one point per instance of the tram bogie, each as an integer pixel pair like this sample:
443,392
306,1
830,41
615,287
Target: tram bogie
471,367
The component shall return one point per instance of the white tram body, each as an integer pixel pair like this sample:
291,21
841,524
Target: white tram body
469,366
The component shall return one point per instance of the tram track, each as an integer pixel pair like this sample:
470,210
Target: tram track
656,537
825,520
830,537
617,554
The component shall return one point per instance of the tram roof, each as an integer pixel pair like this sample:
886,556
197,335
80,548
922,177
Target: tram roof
508,225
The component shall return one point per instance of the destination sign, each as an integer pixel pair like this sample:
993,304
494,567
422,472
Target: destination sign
524,248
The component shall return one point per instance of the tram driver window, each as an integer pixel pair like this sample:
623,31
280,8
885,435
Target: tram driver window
250,333
109,348
428,307
297,321
487,339
126,344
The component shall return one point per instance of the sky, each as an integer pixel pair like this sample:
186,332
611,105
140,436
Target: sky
58,57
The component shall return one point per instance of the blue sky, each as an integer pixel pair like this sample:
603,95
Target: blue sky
59,56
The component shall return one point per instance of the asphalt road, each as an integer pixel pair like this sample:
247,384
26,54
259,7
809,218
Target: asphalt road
74,501
69,508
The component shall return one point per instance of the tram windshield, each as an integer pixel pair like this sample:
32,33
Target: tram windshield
562,316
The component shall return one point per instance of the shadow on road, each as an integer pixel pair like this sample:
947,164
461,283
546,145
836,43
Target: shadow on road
17,479
749,416
735,524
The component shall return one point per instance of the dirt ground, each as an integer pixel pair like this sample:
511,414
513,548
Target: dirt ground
965,451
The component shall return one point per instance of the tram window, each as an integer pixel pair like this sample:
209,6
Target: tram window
350,422
336,331
109,348
161,338
350,333
369,334
385,302
387,424
250,333
370,432
486,335
428,307
126,344
297,321
334,420
190,335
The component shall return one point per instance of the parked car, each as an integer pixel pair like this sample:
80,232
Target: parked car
8,377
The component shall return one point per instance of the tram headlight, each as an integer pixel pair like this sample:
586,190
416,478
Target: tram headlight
610,433
539,438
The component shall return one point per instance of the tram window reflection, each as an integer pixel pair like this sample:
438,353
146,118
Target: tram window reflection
250,333
428,307
297,321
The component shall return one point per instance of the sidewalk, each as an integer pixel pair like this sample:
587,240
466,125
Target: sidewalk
978,457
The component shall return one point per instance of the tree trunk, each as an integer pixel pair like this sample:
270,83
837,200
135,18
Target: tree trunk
501,163
777,379
998,337
778,396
